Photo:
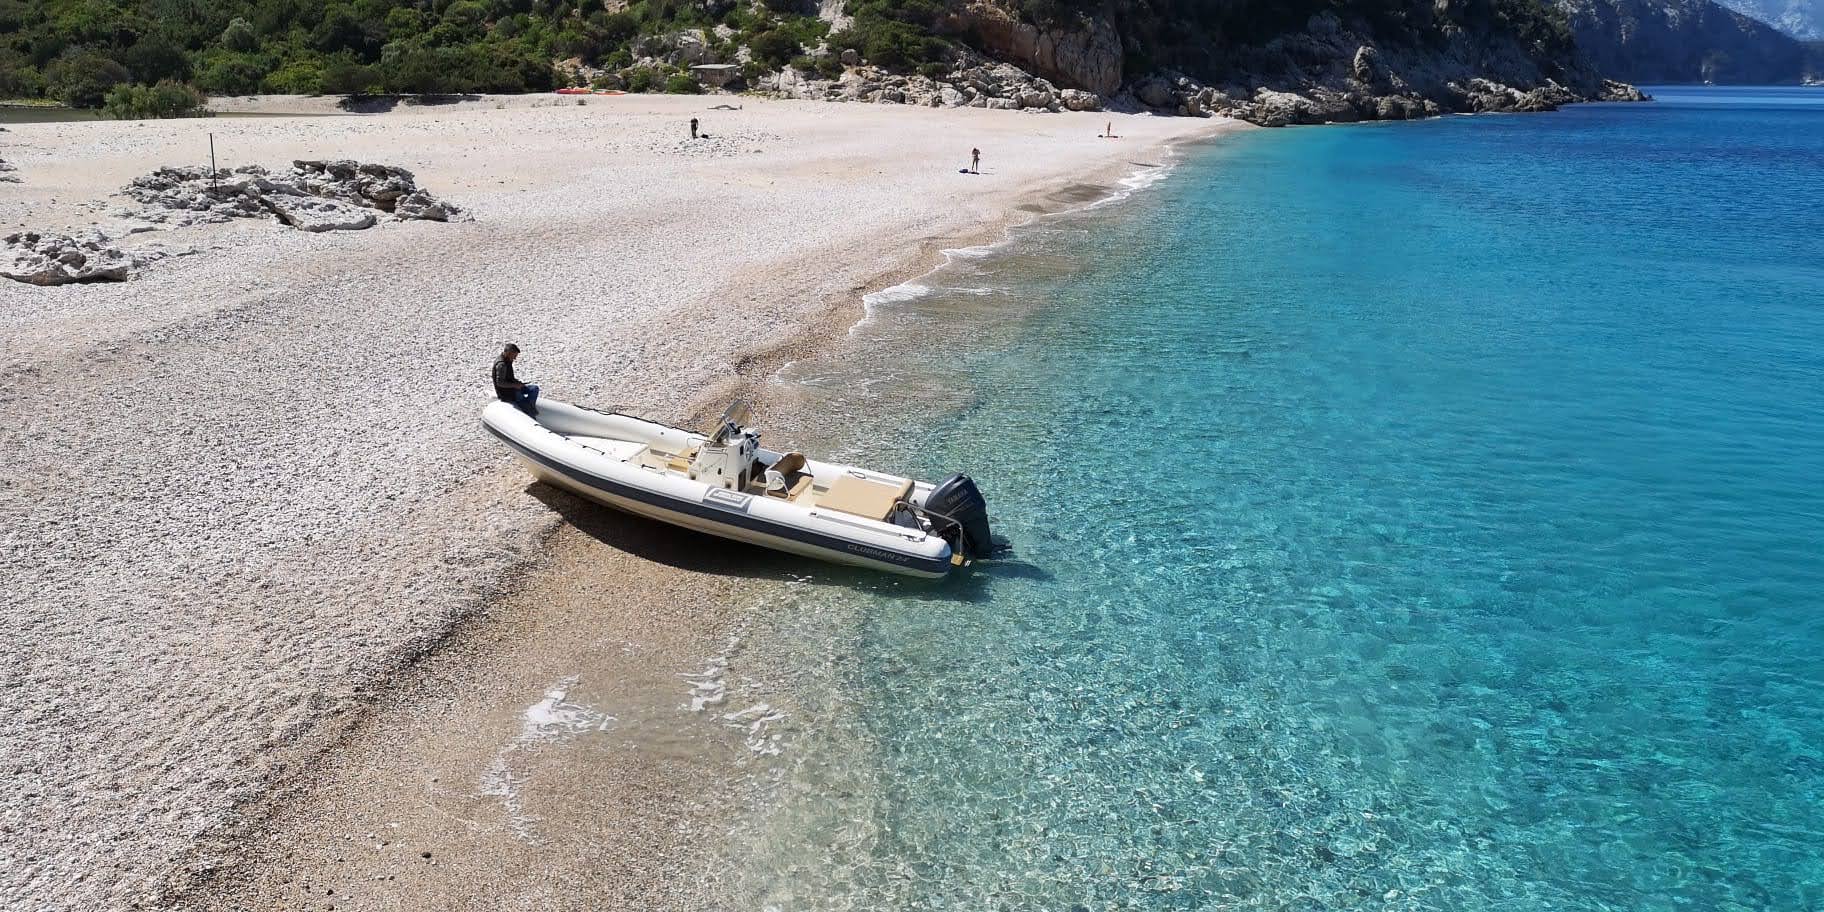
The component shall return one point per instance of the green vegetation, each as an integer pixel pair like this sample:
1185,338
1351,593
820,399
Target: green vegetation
139,102
894,33
80,51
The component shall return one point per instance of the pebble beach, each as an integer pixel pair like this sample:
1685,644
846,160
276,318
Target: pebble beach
248,509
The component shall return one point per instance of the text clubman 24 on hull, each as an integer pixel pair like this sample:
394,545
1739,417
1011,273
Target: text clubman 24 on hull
727,485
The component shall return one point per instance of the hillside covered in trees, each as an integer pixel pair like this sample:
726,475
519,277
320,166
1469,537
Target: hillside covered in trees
76,50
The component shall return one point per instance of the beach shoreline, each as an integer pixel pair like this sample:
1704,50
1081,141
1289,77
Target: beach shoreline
691,861
523,540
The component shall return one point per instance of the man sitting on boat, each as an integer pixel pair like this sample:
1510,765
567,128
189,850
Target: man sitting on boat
524,396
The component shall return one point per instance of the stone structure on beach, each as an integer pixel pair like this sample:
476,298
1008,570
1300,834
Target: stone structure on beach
337,195
60,259
313,196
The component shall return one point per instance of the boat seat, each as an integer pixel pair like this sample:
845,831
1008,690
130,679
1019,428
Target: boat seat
795,485
860,496
788,465
680,462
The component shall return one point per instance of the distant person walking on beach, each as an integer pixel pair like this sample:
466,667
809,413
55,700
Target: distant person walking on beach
524,396
693,128
975,161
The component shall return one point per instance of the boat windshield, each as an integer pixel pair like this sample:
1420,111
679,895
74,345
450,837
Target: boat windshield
737,416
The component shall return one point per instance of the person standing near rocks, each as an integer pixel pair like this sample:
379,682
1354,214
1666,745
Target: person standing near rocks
693,128
975,161
524,396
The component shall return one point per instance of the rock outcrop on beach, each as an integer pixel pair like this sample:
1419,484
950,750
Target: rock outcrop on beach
60,259
8,172
314,195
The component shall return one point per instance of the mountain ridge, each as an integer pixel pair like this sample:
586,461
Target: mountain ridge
1269,61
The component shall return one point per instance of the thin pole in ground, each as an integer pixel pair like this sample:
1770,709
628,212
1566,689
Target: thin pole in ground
212,163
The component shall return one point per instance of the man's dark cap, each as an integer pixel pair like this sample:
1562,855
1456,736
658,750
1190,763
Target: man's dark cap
512,348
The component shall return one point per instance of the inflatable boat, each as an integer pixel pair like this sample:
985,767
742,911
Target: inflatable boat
724,483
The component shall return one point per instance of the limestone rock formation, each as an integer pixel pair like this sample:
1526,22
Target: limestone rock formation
336,195
419,204
1340,65
1084,55
7,172
975,82
311,213
61,259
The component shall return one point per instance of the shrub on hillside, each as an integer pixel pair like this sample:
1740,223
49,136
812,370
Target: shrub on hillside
154,60
682,84
753,71
894,33
346,77
81,78
641,79
404,22
299,77
824,67
616,28
139,102
239,36
773,47
231,73
18,78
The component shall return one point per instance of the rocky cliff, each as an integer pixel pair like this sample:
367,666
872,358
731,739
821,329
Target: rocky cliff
1302,61
1683,41
1798,18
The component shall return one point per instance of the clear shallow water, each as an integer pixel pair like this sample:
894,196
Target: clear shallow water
1421,516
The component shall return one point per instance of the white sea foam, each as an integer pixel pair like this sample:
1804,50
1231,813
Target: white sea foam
1142,177
552,718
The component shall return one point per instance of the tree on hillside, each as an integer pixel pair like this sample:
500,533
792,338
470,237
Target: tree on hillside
82,77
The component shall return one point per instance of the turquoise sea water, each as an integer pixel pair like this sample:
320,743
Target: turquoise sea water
1417,516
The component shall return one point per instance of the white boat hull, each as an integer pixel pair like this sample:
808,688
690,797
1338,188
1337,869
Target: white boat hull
609,459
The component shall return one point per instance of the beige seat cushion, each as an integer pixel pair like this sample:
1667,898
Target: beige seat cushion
681,462
862,497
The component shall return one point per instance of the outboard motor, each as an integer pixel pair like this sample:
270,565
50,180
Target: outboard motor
959,513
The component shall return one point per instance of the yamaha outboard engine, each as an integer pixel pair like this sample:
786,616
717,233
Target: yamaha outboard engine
960,514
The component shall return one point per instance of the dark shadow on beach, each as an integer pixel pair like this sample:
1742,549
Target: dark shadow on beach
697,552
661,543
